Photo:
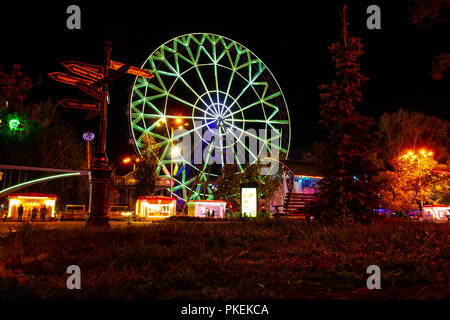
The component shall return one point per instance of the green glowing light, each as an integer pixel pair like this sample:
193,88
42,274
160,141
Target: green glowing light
31,182
14,124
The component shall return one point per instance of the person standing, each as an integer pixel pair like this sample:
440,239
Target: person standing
34,214
20,213
43,209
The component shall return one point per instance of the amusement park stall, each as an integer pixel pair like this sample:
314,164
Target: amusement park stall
30,201
155,207
436,212
207,208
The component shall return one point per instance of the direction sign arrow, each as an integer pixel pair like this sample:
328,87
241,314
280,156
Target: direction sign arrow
78,104
90,67
82,71
132,70
113,76
62,77
90,90
91,114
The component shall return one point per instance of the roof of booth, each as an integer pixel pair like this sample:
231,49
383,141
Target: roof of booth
32,195
208,201
157,199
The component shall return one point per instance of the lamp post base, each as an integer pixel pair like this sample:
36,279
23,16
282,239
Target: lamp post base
99,176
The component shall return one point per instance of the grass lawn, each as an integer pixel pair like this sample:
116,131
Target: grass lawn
246,259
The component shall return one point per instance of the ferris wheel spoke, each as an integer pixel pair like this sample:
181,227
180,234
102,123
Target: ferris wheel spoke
193,130
162,116
216,76
188,104
262,140
249,84
230,81
204,86
251,105
243,144
199,97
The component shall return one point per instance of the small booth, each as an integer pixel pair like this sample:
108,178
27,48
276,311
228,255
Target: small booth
29,201
155,207
207,208
249,199
436,212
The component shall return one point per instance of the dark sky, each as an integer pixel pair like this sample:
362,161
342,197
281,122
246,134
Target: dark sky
292,40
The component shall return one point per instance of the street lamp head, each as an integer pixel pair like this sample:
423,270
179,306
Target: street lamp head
88,136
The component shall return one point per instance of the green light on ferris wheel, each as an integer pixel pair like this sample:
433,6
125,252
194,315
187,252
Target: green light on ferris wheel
213,83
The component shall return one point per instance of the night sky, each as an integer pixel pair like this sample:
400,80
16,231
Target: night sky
292,40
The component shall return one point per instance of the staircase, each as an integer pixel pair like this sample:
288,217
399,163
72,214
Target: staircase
294,205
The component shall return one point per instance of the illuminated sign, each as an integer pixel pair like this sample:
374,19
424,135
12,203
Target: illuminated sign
83,71
132,70
77,104
86,66
65,78
249,199
89,90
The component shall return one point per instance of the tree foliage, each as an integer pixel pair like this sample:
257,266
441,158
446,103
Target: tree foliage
347,189
228,184
429,12
400,177
146,170
44,139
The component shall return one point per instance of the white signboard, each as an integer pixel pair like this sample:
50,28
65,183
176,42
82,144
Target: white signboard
249,201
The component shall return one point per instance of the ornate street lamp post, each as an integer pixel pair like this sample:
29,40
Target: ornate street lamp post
88,137
100,172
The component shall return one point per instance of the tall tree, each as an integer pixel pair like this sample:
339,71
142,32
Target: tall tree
146,170
407,182
228,184
34,134
347,189
425,13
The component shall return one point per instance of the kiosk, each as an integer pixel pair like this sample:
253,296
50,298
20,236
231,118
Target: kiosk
207,208
155,207
29,201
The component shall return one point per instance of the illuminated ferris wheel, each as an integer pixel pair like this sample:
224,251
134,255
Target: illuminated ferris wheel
218,89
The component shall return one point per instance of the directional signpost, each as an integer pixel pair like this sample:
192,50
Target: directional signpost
68,79
95,83
132,70
90,90
83,71
90,115
78,104
86,66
